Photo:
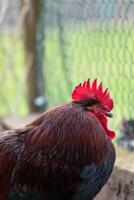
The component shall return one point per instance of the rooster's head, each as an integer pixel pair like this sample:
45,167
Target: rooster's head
96,101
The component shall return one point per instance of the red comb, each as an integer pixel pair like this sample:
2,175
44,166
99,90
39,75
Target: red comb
88,90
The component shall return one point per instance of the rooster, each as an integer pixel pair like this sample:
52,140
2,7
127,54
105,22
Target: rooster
65,154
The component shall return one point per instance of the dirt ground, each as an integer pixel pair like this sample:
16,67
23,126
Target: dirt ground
119,187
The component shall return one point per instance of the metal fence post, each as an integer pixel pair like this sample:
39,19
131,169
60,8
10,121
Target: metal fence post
34,45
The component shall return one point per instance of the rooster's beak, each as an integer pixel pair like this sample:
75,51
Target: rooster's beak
109,114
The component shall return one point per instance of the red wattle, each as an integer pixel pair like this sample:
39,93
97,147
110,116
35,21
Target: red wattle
103,120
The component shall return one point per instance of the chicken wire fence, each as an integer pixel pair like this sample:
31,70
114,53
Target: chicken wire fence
83,39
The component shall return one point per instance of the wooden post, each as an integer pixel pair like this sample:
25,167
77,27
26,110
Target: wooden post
34,47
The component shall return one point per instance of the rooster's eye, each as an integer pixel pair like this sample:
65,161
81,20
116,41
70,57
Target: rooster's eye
96,106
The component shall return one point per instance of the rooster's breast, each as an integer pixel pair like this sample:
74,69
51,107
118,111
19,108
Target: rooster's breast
94,177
